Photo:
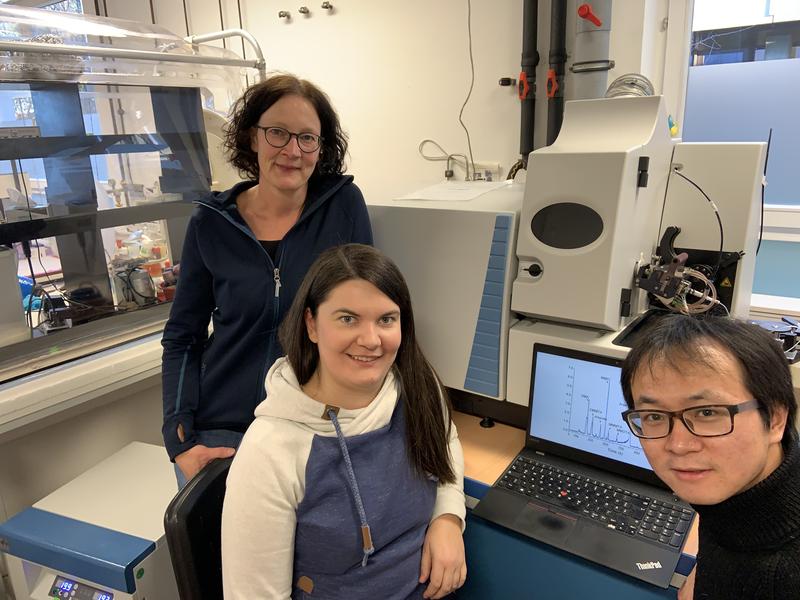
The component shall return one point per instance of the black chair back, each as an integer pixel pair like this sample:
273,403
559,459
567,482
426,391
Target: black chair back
192,524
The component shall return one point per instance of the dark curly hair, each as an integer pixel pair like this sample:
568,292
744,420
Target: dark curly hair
258,98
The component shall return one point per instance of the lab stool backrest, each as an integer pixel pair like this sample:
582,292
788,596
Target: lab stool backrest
192,525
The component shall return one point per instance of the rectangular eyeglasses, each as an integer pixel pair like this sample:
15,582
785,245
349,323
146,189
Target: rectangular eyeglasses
712,420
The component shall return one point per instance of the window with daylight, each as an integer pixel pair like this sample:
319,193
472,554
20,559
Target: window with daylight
744,81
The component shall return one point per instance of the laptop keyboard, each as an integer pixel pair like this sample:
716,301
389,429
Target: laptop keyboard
616,508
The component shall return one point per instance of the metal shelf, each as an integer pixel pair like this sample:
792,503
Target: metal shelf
33,229
79,145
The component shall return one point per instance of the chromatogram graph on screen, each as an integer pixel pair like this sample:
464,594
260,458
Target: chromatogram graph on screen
579,404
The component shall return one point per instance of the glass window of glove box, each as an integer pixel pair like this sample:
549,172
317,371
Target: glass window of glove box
104,144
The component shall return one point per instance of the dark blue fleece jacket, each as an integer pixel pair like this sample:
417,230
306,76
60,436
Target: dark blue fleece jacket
226,275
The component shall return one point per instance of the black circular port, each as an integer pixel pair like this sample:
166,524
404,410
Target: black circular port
535,270
567,225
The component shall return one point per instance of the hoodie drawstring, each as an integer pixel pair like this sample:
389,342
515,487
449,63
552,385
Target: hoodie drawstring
366,535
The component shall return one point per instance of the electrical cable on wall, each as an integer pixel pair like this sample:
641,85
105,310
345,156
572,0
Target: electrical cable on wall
244,47
469,164
222,24
186,18
471,85
444,156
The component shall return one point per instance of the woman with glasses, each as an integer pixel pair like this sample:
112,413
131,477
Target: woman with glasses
245,253
712,403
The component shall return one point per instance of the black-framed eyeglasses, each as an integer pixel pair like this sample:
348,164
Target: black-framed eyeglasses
711,420
278,137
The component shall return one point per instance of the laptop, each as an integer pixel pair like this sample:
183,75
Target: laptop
582,483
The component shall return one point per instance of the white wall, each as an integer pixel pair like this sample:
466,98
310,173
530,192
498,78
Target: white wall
399,72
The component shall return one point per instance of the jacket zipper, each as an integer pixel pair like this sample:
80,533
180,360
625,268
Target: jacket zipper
276,277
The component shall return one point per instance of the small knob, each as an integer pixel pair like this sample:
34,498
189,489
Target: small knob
585,12
284,14
303,10
327,5
535,270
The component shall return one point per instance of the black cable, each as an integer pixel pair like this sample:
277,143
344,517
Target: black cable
763,192
33,288
471,85
44,270
241,26
28,315
716,213
244,46
515,168
26,247
222,23
39,316
127,280
66,298
186,18
25,187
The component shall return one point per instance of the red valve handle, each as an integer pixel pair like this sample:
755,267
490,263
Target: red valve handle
552,83
523,88
585,12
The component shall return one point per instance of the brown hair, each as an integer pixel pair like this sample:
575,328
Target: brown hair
427,407
261,96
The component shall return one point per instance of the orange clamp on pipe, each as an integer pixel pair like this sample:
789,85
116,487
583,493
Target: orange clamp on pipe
552,83
585,12
523,87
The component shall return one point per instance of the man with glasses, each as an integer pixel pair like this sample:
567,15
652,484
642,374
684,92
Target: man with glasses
712,403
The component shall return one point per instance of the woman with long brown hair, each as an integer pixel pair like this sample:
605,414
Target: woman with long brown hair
349,483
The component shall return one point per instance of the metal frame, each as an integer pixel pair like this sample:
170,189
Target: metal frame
99,51
260,63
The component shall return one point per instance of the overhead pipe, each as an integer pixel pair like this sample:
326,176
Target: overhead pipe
555,73
110,52
260,63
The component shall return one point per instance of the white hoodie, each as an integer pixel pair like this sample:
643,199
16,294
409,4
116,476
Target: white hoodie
266,482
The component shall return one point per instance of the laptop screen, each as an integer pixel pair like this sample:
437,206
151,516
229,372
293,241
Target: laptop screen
576,401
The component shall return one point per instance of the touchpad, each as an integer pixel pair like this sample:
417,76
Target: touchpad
545,524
